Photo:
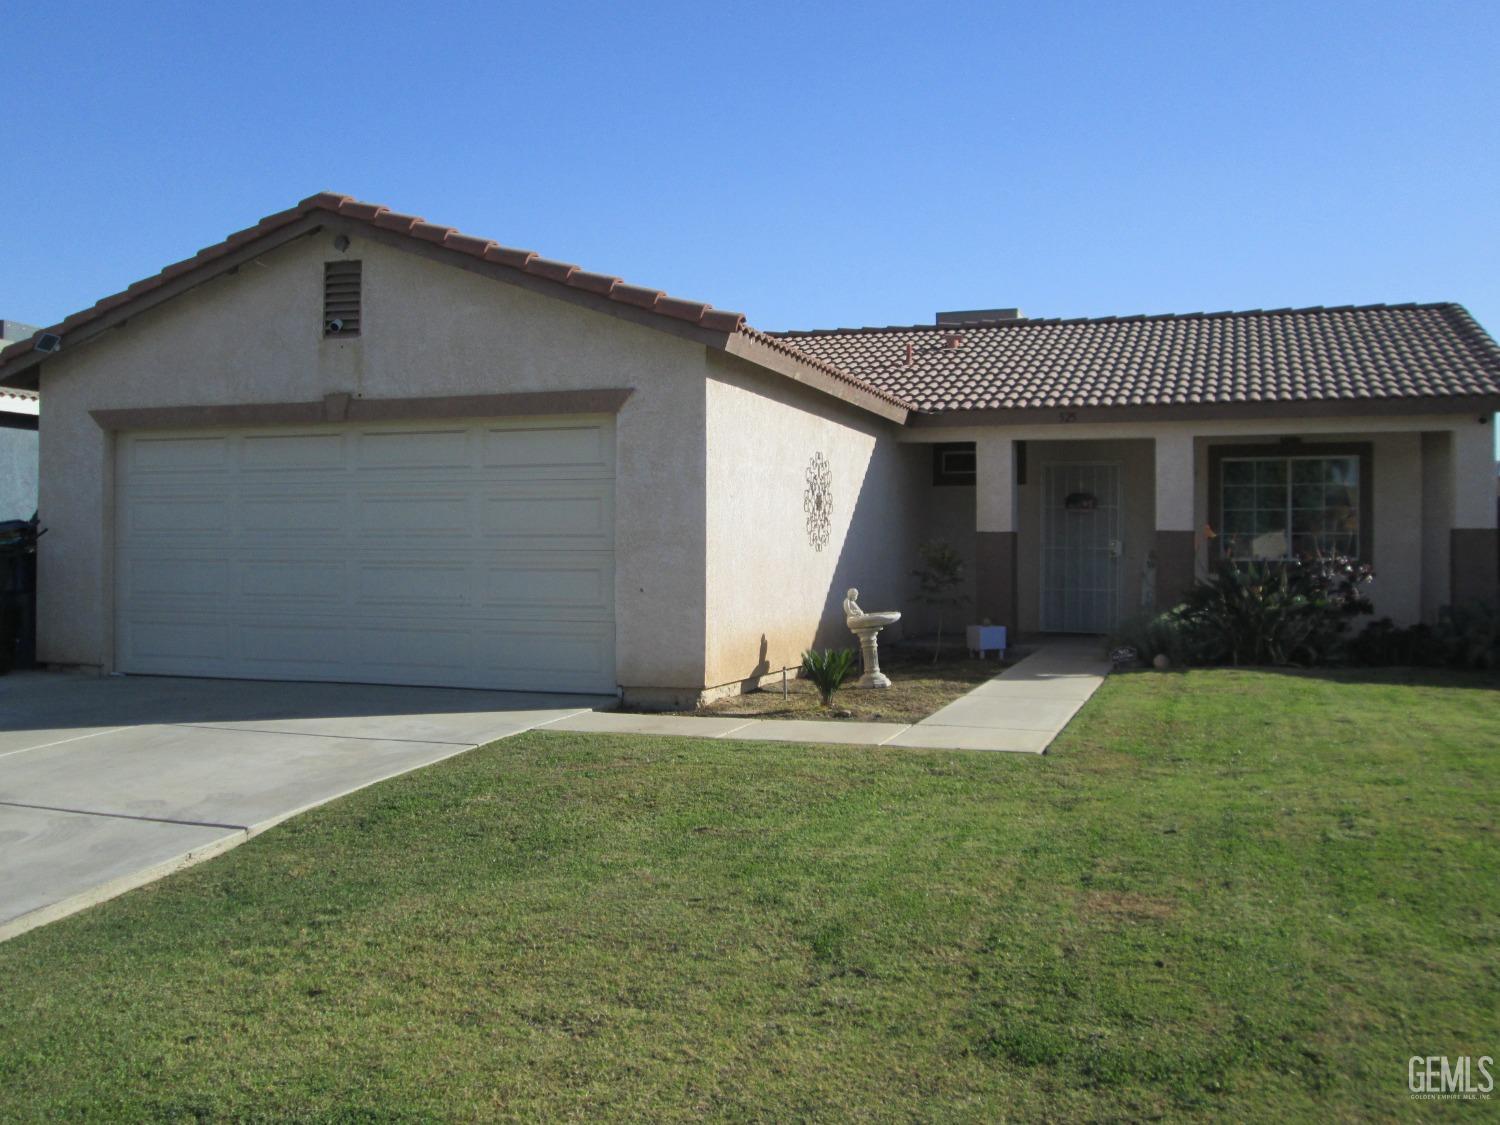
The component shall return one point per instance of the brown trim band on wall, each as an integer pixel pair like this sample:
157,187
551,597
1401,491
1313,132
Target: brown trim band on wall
1364,450
1175,567
996,578
346,408
1474,565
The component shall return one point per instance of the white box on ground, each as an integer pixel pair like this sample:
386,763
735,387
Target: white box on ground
987,638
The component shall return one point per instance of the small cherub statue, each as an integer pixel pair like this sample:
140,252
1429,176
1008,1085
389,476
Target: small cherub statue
851,606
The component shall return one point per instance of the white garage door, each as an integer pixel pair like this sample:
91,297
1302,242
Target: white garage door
464,554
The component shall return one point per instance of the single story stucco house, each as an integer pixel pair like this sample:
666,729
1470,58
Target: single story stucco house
349,444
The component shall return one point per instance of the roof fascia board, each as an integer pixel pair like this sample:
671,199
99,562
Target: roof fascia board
762,355
735,343
23,372
545,287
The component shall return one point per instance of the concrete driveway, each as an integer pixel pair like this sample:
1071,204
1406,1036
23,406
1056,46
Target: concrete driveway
106,784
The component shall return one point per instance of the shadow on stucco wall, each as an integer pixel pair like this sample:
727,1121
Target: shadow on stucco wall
879,550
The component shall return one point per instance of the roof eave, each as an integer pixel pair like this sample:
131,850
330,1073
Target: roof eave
436,251
22,371
653,308
1190,411
762,354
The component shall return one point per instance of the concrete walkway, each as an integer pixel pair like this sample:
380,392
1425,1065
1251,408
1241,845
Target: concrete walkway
107,784
1024,708
1021,710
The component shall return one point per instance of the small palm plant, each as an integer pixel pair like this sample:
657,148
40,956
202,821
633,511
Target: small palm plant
827,670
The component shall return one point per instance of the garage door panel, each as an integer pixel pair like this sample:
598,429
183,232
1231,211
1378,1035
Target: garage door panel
179,454
558,581
158,645
171,577
388,650
570,515
292,512
302,644
179,515
578,451
477,555
317,581
548,649
411,583
414,510
289,453
414,449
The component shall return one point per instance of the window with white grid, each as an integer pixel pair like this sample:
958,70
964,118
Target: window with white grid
1289,507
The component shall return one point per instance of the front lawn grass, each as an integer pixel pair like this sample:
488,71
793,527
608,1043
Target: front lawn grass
1223,895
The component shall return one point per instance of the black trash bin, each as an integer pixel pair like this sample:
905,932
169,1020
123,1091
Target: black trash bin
18,594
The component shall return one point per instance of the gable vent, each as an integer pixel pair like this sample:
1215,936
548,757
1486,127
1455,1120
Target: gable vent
341,298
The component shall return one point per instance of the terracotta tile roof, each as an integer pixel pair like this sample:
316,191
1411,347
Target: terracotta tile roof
1261,356
1282,355
731,325
779,344
524,261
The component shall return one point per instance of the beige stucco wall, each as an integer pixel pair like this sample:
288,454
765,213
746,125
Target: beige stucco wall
770,593
429,330
1472,451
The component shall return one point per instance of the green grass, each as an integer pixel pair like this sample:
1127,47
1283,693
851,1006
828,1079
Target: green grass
1224,894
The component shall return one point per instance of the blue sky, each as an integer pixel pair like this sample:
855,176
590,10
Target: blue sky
810,165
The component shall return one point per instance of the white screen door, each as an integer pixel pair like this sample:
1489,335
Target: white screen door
1081,547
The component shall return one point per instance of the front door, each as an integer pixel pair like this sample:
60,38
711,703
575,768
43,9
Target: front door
1081,548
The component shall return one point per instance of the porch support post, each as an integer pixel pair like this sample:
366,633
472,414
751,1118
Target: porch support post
1175,555
1474,548
995,525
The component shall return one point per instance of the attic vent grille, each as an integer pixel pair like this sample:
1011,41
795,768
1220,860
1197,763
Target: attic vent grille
341,298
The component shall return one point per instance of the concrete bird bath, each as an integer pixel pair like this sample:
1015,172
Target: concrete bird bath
866,626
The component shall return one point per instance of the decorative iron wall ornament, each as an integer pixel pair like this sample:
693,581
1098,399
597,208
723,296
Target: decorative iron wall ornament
817,501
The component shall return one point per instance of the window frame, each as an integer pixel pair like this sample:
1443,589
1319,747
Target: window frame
1288,451
943,476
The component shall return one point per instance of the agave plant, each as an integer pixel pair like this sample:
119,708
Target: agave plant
827,670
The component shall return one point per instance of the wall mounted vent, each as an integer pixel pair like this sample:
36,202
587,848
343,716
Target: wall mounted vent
341,298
